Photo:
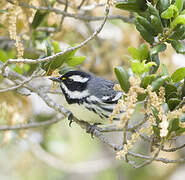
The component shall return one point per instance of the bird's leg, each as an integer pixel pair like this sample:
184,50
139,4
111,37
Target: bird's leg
70,118
92,128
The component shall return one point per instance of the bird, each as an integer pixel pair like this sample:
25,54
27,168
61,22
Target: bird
90,98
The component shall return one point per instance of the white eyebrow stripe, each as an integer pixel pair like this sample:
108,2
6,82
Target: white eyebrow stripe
75,94
78,78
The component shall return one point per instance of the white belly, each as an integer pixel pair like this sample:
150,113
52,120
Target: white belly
82,113
85,114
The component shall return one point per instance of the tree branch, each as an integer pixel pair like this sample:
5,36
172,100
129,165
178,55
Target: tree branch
50,58
83,124
56,119
75,16
92,166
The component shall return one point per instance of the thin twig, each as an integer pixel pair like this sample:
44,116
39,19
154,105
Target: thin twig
150,160
173,149
164,160
130,128
85,8
62,19
75,16
162,149
46,29
50,58
81,4
17,86
31,125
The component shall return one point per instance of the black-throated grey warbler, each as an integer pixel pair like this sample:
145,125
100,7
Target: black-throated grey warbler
89,98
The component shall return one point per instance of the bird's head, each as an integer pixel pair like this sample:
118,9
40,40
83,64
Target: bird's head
73,83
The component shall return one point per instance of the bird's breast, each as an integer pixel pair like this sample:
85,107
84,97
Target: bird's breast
87,113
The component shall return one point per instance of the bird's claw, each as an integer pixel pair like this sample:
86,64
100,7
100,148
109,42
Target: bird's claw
92,128
70,118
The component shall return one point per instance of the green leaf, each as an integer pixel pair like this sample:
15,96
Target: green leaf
159,48
70,53
143,50
129,6
170,88
156,131
2,26
155,58
147,25
134,52
122,76
173,102
144,33
162,5
141,67
56,47
75,60
164,70
132,5
57,61
179,4
178,75
3,56
148,65
8,54
141,97
3,11
64,69
147,80
158,83
38,18
183,12
140,54
137,67
18,69
180,131
178,46
173,125
172,95
171,12
155,18
155,23
178,20
26,67
48,48
155,113
178,32
183,90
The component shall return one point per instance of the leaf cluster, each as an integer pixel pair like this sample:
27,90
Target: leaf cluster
69,58
159,22
174,85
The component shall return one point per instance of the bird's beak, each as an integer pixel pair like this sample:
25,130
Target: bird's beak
56,79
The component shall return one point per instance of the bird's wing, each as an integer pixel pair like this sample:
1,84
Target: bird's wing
104,90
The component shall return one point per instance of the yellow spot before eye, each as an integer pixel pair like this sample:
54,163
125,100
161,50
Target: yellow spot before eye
63,78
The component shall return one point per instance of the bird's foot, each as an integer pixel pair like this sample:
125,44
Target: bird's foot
92,128
70,118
